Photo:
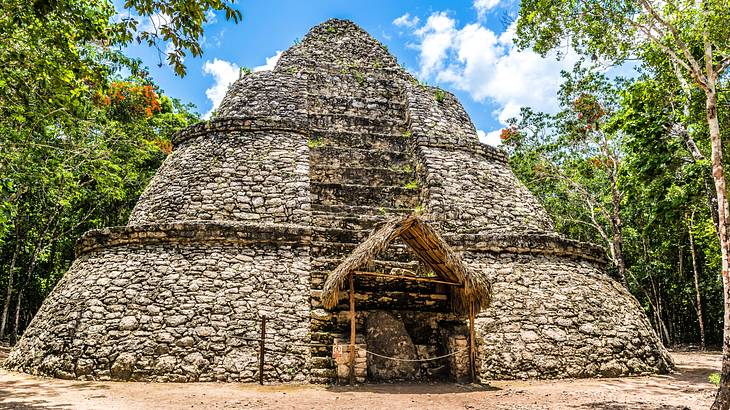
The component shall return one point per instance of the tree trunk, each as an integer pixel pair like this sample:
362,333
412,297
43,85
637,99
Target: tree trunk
617,237
698,296
16,323
9,291
722,400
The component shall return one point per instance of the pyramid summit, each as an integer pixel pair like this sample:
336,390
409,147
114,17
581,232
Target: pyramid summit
336,161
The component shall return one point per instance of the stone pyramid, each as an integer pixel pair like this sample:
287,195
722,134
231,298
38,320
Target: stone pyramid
254,208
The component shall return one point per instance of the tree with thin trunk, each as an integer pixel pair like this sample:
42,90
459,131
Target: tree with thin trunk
695,35
698,295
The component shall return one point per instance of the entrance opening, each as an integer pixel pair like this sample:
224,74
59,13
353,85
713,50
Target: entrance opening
426,337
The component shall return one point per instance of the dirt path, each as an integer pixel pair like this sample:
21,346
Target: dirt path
686,389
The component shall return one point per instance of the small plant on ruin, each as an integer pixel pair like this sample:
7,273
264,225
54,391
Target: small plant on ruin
407,134
382,211
418,210
244,71
360,77
316,142
331,29
714,378
297,41
411,185
292,70
439,94
407,168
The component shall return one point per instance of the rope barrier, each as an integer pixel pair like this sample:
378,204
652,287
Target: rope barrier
397,359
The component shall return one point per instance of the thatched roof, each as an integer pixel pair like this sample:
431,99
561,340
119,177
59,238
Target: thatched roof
428,246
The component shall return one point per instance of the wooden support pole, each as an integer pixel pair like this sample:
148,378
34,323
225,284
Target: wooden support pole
472,347
352,328
262,346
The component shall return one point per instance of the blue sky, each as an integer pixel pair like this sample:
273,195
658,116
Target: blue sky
462,46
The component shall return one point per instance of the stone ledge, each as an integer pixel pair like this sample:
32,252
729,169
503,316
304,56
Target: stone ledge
527,243
486,151
298,235
226,124
193,232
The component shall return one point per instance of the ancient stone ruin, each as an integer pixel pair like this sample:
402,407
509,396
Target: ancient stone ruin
255,208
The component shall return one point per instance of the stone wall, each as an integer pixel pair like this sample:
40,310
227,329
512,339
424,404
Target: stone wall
203,180
555,317
174,311
275,95
466,193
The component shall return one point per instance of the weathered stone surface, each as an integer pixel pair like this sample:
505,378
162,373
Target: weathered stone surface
387,336
254,208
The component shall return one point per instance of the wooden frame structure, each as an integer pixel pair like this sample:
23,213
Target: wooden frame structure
469,292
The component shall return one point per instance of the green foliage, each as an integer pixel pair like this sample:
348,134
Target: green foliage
439,94
407,134
566,160
79,142
714,378
412,185
315,142
244,71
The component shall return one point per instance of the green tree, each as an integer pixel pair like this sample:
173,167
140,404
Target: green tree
694,35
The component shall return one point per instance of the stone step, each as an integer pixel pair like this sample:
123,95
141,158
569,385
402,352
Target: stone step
340,250
354,122
398,176
341,157
324,265
352,222
359,210
359,104
398,142
388,196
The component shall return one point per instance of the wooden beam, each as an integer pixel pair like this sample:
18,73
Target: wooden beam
472,346
413,278
352,329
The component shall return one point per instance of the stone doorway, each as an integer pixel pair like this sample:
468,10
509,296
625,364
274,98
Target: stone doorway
418,346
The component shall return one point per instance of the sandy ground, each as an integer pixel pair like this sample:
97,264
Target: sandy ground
687,388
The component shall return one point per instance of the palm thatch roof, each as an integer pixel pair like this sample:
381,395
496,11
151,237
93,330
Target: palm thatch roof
474,292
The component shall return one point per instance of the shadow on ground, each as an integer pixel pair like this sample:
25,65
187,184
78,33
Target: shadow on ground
31,395
413,388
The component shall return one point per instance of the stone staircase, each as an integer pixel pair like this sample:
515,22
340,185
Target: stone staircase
361,173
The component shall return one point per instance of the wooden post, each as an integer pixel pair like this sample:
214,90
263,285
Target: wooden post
352,328
261,351
472,347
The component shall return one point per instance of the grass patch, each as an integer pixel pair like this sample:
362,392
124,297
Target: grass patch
714,378
316,142
439,94
411,185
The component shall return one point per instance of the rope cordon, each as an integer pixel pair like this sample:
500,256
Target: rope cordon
397,359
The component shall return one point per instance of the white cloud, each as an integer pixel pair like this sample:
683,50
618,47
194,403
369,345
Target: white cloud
270,63
224,73
489,67
437,36
483,6
490,138
406,20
